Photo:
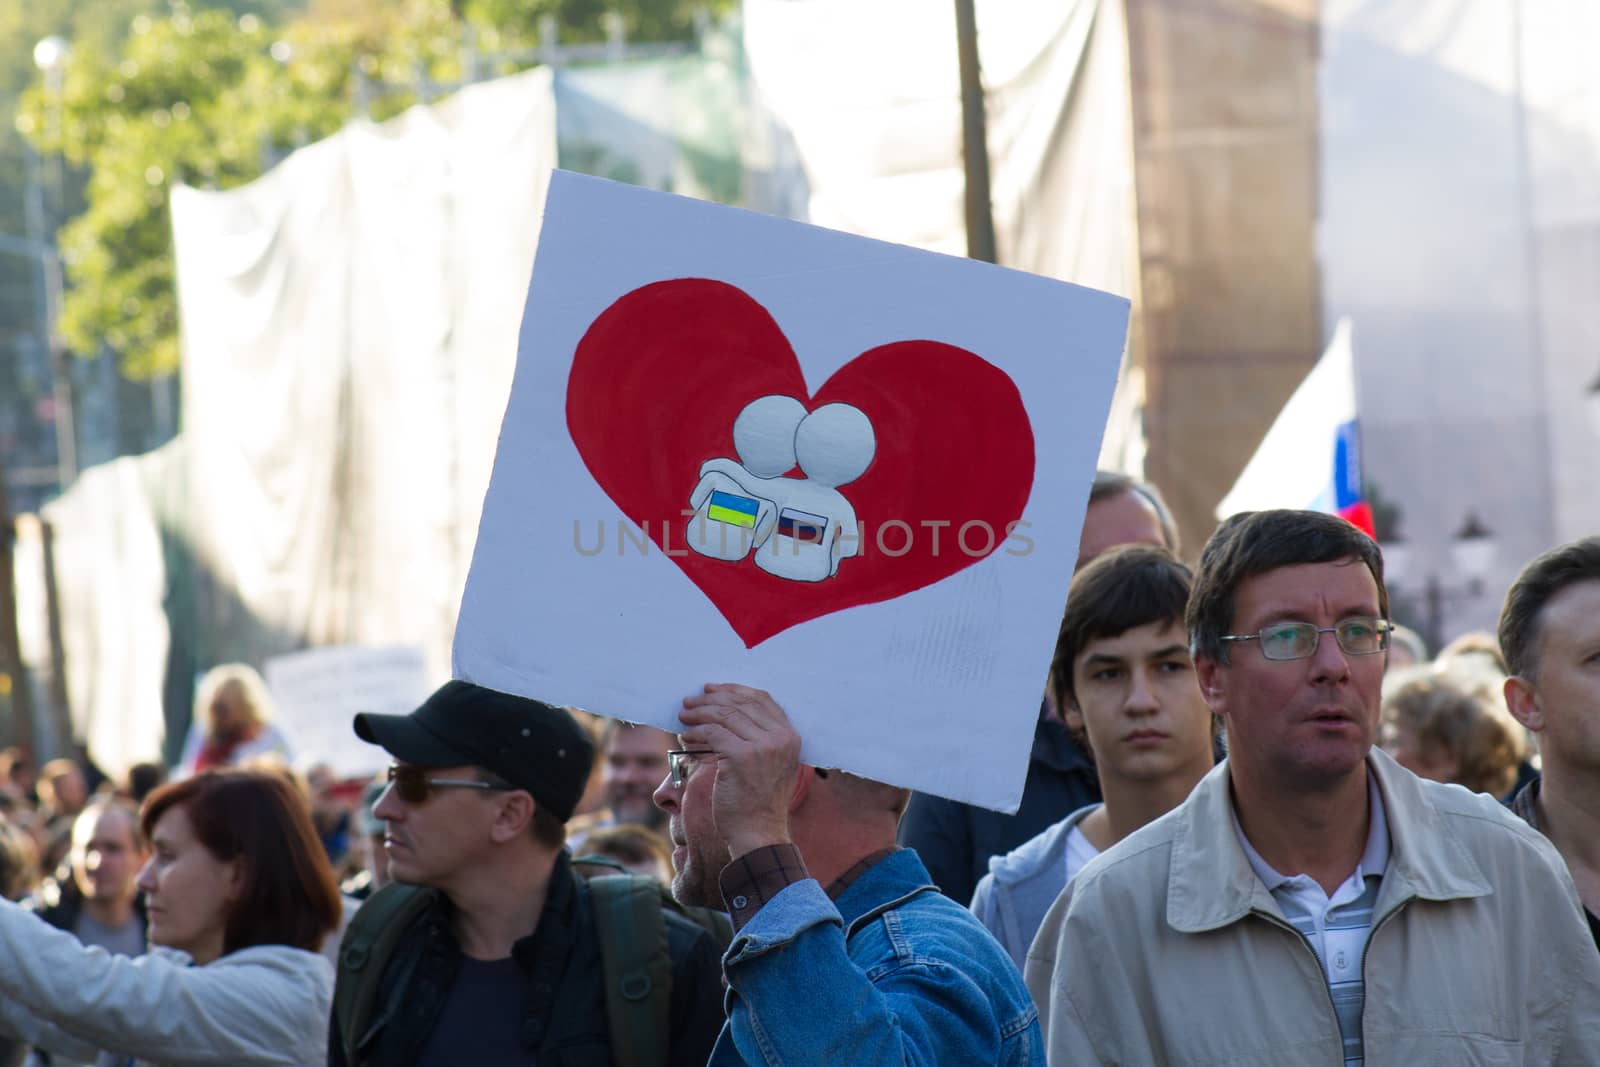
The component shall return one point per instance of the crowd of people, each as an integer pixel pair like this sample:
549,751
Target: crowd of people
1261,825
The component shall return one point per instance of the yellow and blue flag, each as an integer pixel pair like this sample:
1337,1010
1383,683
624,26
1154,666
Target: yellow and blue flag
732,509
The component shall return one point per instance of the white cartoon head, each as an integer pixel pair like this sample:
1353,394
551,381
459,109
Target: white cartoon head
835,444
764,434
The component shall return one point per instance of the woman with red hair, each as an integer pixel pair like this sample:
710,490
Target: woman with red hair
240,898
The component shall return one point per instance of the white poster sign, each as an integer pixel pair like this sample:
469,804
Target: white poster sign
742,449
319,692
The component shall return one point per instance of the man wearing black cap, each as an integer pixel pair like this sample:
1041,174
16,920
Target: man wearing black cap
502,963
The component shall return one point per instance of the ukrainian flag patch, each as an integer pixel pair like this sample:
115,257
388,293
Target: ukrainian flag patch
734,510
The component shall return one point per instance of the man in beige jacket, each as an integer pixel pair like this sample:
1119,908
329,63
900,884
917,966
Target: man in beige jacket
1312,902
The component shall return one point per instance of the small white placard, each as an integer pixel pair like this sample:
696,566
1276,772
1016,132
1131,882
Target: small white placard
318,693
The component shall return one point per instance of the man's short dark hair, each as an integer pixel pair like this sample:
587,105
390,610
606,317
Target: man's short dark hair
1255,542
1537,585
1108,484
1126,587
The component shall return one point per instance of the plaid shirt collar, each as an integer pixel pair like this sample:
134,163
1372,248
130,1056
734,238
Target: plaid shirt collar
835,889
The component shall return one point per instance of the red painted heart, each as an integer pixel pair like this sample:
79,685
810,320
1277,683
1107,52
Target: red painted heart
660,376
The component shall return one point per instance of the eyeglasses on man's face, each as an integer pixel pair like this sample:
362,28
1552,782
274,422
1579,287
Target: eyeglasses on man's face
415,787
1298,640
681,763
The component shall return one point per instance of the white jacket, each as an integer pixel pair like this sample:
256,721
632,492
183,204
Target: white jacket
267,1005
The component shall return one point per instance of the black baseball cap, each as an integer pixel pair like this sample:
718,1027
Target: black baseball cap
531,744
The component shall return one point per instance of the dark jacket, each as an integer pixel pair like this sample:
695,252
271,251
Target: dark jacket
956,840
564,1019
1525,804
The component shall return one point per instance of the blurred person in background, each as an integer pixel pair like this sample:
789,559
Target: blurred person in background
330,812
1477,647
635,848
94,897
63,790
233,715
98,901
53,838
141,780
17,776
956,840
16,881
19,866
374,872
593,800
1406,648
1451,725
1477,653
240,898
633,760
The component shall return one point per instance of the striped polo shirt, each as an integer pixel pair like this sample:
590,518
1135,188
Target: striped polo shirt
1338,926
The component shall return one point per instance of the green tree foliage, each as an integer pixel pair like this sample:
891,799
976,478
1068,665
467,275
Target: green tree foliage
211,97
584,20
194,97
96,29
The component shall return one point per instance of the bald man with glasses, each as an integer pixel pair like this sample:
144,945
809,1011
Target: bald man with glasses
1312,902
843,952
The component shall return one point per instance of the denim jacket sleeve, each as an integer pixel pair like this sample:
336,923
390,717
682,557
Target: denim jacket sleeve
902,991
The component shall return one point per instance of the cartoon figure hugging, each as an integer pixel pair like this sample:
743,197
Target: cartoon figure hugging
798,528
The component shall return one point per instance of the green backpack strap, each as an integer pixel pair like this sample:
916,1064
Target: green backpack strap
714,922
364,952
638,967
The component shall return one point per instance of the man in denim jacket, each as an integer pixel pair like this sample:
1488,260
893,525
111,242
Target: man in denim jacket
843,949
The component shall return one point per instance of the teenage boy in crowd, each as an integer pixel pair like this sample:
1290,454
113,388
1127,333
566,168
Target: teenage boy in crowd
1126,687
956,840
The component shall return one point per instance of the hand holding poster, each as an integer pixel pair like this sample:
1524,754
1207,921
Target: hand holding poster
744,449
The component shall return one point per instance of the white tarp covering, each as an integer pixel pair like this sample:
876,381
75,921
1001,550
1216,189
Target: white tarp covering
877,128
107,559
319,691
1461,235
350,327
349,332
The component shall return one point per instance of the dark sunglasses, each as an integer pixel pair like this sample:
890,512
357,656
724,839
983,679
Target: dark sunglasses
415,787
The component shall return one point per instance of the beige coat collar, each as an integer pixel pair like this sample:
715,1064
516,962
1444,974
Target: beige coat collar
1210,883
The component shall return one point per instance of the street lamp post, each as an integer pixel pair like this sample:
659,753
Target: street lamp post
50,56
1472,553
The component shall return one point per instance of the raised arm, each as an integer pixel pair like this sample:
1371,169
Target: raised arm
266,1005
